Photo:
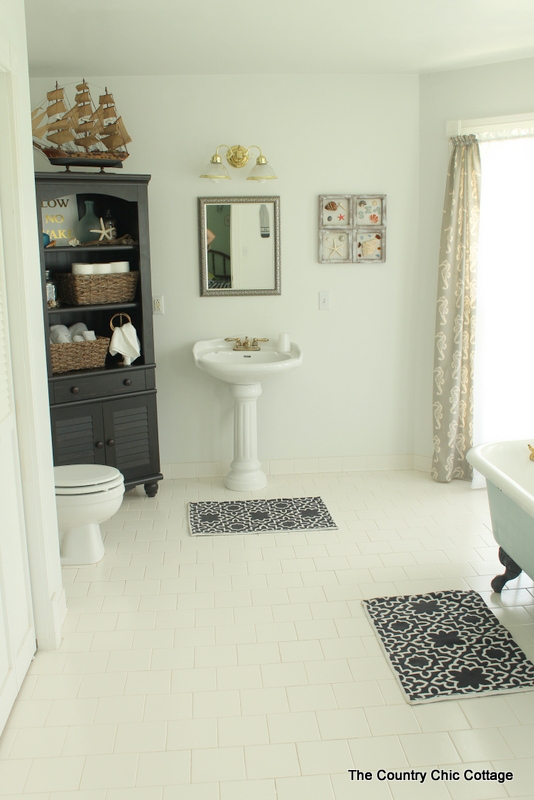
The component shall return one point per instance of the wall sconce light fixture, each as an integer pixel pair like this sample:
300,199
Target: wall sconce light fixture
237,156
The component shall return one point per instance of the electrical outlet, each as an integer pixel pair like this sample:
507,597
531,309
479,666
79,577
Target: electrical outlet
157,304
324,301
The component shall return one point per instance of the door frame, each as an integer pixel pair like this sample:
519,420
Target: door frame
27,350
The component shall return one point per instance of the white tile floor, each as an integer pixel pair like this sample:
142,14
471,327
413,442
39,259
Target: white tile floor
243,668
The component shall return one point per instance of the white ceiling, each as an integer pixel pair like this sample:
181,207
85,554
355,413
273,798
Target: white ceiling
172,37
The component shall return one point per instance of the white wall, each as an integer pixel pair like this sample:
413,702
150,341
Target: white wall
353,396
493,90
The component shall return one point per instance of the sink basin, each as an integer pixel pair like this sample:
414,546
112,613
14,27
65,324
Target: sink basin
219,359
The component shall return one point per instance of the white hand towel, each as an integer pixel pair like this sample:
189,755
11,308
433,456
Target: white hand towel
125,342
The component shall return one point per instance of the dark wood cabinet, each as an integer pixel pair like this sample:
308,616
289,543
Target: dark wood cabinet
106,415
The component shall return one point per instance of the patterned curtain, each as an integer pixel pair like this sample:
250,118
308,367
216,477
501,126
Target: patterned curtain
455,318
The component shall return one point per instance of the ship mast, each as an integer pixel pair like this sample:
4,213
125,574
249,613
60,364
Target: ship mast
84,126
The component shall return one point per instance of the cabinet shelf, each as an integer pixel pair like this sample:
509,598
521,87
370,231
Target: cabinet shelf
89,248
100,307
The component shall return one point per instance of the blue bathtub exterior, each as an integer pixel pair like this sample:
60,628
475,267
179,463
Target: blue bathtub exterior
513,528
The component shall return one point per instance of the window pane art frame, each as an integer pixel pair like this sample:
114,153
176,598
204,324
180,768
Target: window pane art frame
352,228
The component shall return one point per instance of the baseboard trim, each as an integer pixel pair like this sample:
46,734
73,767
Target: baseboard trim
300,466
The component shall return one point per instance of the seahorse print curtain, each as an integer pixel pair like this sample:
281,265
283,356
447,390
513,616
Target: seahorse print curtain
455,318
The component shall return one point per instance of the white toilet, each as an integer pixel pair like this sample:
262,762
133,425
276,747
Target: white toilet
86,495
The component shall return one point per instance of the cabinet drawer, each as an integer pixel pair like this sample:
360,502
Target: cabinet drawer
84,387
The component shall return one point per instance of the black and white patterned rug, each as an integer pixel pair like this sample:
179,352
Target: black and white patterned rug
259,516
448,644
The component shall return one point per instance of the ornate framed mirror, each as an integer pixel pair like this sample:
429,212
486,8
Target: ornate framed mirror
239,239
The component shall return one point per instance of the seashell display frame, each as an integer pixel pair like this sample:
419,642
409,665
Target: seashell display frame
362,218
335,211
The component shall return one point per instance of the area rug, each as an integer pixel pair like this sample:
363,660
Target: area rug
445,645
259,516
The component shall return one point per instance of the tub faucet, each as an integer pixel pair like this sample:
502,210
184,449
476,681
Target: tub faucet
531,452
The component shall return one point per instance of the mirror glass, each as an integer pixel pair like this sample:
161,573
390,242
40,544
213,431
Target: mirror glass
239,245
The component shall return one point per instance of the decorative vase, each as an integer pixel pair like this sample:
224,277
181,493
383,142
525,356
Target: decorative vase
89,222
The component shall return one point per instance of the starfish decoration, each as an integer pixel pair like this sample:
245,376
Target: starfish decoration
341,216
336,250
105,233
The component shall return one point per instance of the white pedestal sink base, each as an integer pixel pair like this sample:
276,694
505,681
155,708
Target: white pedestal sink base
244,370
245,473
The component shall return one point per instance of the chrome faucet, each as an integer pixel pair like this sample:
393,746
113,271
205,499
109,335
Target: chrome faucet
246,344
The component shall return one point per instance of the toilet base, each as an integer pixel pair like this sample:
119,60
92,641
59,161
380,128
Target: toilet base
82,545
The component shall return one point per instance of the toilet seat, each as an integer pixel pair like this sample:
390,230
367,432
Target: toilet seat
84,479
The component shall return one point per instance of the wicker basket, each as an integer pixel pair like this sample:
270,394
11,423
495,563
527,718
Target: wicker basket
92,290
79,355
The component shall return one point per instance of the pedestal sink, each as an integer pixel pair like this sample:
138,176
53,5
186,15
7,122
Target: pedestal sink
244,370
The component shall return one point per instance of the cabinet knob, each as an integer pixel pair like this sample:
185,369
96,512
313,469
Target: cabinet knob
99,444
111,442
127,382
75,390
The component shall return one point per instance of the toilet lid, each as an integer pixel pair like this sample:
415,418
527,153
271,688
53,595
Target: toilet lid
80,478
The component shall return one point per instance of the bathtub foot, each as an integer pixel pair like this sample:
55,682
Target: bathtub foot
512,571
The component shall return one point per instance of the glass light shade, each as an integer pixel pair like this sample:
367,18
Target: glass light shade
261,172
215,171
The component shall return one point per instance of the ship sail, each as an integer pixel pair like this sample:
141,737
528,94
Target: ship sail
39,130
88,141
84,127
80,130
37,117
126,138
55,94
113,141
61,137
56,108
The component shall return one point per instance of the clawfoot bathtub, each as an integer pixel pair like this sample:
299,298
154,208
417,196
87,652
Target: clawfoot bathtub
509,473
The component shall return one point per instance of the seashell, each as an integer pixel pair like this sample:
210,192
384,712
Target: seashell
74,242
370,246
331,206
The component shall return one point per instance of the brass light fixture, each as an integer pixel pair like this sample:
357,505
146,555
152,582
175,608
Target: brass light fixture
238,156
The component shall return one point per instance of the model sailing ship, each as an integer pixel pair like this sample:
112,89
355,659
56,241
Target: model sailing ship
84,134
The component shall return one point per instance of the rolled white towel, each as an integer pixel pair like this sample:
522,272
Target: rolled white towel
60,334
102,269
77,329
82,269
78,338
89,336
120,266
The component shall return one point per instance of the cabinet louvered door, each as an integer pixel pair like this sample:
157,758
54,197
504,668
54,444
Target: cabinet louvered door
130,426
78,434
